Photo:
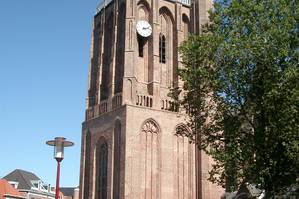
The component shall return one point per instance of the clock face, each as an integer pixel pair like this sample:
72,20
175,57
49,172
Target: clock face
143,28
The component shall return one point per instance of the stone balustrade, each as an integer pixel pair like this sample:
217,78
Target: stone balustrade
116,101
169,105
89,113
184,2
96,110
103,108
144,100
141,100
104,3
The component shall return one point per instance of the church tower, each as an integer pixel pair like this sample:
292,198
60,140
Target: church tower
130,149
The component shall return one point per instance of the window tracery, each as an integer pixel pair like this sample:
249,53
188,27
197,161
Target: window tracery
150,127
184,162
102,171
150,160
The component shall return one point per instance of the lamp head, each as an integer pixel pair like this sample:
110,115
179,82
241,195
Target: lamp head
59,143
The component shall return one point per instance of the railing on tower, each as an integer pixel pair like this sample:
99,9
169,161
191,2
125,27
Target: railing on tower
169,105
117,101
103,107
104,3
144,100
184,2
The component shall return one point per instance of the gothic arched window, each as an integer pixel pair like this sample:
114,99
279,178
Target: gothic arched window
140,46
167,48
162,49
107,56
186,26
150,159
184,160
87,164
102,171
120,51
116,166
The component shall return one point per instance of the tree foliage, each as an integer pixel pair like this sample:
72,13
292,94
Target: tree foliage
242,81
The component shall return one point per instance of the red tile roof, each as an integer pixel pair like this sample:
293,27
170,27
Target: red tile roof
7,190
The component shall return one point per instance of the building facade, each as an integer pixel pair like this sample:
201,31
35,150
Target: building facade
30,185
130,149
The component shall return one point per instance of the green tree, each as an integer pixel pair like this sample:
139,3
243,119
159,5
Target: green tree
241,79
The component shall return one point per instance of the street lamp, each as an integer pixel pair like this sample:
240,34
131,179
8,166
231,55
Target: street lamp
59,143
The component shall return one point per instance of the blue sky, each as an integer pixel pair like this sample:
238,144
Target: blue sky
44,57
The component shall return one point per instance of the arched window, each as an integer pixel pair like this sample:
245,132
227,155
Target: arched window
107,56
116,166
162,49
167,48
140,46
87,164
102,171
186,26
120,50
150,159
184,161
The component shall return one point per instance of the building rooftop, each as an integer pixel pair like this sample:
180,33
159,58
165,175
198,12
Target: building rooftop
24,178
7,190
67,191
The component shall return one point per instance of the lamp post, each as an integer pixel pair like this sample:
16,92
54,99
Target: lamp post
59,143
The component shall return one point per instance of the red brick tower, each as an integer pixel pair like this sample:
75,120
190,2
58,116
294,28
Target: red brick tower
130,149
